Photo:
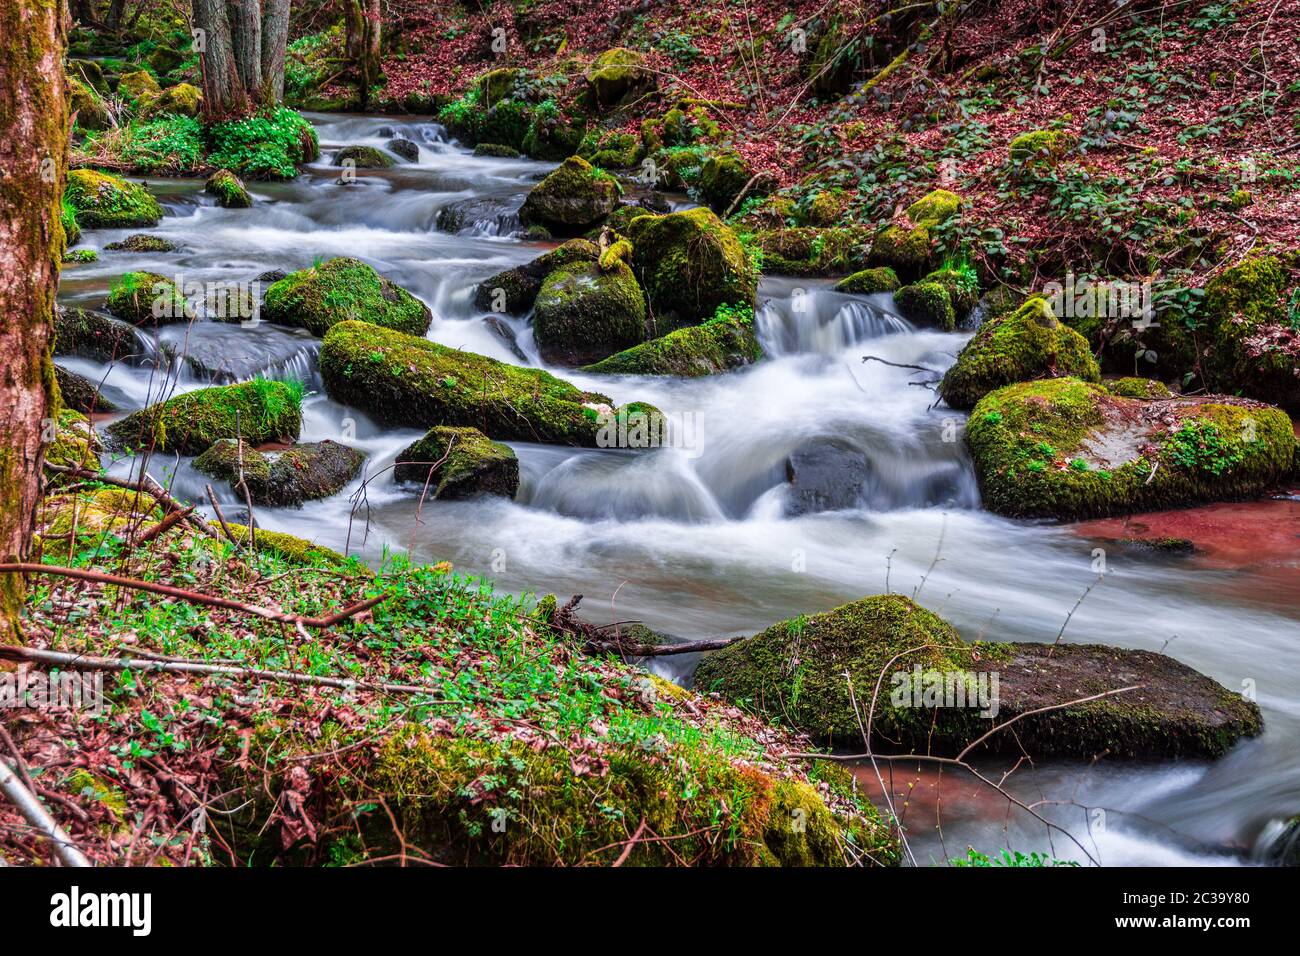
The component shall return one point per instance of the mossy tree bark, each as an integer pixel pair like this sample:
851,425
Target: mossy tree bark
33,165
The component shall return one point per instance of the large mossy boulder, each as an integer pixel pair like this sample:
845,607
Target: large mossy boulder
722,178
811,251
305,472
91,335
689,264
183,99
1254,350
725,342
259,411
101,201
403,380
906,246
229,190
869,282
616,73
459,462
937,694
927,304
514,291
1028,343
342,290
585,313
1063,448
138,86
572,199
147,298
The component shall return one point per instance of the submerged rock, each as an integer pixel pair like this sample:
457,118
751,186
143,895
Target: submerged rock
404,148
826,474
585,312
572,199
935,690
471,464
259,411
299,473
725,342
515,290
101,201
91,335
404,380
1063,448
341,290
1028,343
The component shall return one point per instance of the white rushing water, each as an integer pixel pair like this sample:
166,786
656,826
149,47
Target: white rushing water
701,541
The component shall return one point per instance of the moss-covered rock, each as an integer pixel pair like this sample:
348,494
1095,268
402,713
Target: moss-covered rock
1039,147
1133,387
506,123
927,304
1253,350
722,177
869,281
93,336
515,290
459,463
80,393
75,444
138,85
343,290
299,473
611,149
147,298
183,99
408,150
496,150
1026,344
725,342
229,190
68,220
95,511
363,157
938,695
585,312
92,113
809,251
142,242
617,72
403,380
259,411
107,202
907,248
551,136
1063,448
291,547
963,289
689,263
571,199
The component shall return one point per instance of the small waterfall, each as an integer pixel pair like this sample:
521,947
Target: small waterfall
824,322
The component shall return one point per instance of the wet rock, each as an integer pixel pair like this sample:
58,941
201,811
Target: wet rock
725,342
1026,344
80,393
101,201
572,199
91,335
465,214
363,157
142,242
515,290
1063,448
938,694
404,148
496,150
404,380
147,298
259,411
299,473
927,304
826,474
341,290
229,190
228,353
471,464
271,276
869,281
585,313
503,331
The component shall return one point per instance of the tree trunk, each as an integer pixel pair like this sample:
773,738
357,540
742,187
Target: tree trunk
223,90
275,39
246,31
363,23
33,157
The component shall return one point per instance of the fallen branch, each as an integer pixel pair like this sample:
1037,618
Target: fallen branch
154,530
877,358
69,660
34,812
21,567
145,485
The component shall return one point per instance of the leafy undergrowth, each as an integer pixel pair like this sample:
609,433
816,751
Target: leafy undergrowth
505,744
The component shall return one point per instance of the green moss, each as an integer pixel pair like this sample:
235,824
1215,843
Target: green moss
927,303
615,73
300,473
963,288
1043,146
95,511
1026,344
147,298
75,444
808,251
229,190
934,207
499,84
496,150
905,250
101,201
471,464
1026,438
68,220
869,281
363,157
826,207
190,423
169,144
403,380
80,393
183,99
93,336
724,342
291,548
89,106
515,290
142,242
1252,346
1133,387
138,85
572,198
611,149
722,177
551,136
585,313
689,263
343,290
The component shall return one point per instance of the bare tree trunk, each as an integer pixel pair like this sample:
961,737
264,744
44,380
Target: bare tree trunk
363,23
33,156
223,89
275,39
246,31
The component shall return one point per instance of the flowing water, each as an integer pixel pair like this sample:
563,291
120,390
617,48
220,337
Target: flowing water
701,539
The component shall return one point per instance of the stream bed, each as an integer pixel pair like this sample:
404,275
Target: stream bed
702,539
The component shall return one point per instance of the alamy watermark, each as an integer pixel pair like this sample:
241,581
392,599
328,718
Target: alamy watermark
76,690
930,688
638,429
1103,299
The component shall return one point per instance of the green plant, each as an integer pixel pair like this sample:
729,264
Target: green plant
1014,858
268,145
